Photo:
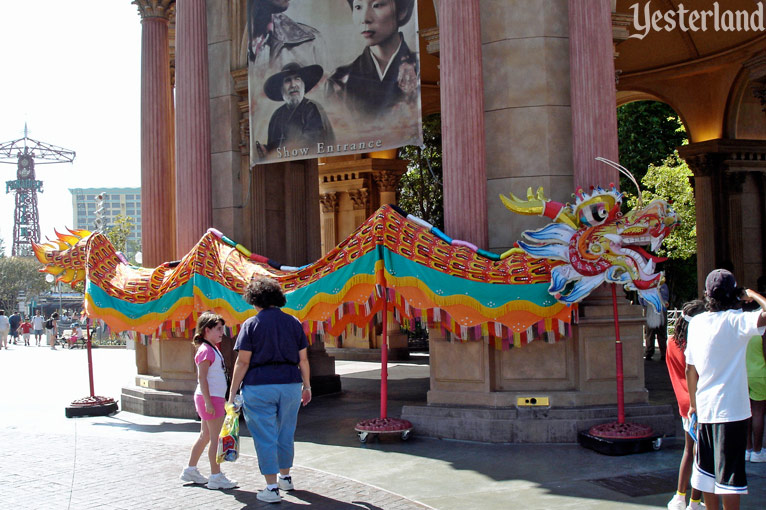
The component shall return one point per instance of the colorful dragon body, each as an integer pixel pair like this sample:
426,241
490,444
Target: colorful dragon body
423,274
511,299
597,243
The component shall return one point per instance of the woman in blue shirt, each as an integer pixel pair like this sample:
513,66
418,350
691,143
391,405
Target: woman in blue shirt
273,368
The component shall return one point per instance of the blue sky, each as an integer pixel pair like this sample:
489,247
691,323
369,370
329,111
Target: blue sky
72,72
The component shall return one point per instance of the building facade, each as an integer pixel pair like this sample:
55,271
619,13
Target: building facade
124,202
528,93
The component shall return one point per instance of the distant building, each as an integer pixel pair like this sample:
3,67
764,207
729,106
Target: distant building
118,201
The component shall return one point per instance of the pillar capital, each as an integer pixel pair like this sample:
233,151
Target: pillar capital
386,180
155,8
735,182
702,165
329,202
359,198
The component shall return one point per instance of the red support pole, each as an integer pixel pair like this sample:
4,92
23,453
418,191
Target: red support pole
618,355
90,359
384,358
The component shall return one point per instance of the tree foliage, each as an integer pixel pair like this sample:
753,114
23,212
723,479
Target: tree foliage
420,189
119,233
647,133
670,181
19,275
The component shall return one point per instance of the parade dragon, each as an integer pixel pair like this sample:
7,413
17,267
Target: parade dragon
510,299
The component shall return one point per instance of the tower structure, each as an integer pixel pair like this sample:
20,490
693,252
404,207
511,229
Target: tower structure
26,153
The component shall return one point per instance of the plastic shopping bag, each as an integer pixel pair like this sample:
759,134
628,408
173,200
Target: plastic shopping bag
228,439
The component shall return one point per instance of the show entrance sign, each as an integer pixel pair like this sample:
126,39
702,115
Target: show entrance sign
332,77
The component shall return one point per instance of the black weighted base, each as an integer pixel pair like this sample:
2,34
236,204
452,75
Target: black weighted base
97,410
611,446
91,406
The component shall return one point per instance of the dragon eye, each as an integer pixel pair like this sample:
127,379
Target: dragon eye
594,215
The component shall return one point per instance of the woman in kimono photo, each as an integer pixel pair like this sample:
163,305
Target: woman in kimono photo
386,73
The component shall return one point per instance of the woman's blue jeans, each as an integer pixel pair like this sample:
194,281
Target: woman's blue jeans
271,412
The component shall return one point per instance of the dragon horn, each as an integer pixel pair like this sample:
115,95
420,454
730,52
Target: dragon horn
81,233
533,205
54,270
57,244
67,238
539,205
40,252
67,277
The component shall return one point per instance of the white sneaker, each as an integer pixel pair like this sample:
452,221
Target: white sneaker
219,481
269,496
758,456
748,454
286,483
677,503
695,506
192,474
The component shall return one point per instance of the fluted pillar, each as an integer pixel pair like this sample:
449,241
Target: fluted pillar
594,116
157,173
462,103
194,208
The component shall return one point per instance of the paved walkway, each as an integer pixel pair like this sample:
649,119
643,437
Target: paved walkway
86,472
132,461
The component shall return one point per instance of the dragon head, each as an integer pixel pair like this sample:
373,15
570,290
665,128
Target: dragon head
597,242
64,257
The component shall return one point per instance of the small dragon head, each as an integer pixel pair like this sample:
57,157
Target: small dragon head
65,256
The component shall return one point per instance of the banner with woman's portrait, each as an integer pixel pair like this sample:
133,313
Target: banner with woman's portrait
332,77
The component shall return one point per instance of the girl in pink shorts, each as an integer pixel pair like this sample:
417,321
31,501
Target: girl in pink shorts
209,399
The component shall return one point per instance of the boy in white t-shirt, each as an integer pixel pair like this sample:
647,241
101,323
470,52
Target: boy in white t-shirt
717,379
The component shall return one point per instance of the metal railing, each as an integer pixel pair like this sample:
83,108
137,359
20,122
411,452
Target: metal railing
673,316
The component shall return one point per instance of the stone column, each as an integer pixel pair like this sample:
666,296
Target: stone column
386,182
462,105
329,202
193,168
359,199
593,95
703,168
157,173
733,190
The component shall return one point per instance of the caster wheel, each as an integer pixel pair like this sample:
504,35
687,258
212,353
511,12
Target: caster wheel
657,444
363,436
406,435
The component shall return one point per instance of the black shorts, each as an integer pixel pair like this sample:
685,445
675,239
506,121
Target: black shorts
719,465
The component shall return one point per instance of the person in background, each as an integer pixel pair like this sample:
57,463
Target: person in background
38,324
51,329
209,400
656,325
272,362
756,383
76,335
5,328
717,382
677,371
15,322
25,328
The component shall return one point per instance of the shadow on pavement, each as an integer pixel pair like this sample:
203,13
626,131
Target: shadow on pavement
306,498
